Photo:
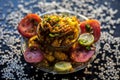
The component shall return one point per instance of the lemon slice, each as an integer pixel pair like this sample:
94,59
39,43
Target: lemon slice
86,39
63,66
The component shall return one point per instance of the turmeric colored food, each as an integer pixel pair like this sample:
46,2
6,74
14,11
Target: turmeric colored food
60,43
58,30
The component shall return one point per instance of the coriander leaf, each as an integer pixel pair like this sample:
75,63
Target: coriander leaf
88,28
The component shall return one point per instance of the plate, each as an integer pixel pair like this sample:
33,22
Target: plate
76,66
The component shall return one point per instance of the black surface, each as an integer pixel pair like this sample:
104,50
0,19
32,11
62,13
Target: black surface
31,71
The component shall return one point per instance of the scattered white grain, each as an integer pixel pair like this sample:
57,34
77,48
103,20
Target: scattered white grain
15,65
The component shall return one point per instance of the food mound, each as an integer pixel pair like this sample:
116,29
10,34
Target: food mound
58,42
58,30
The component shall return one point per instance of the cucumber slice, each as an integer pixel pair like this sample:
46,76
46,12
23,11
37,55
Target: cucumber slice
63,66
86,39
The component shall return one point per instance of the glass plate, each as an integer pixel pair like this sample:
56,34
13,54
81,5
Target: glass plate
77,66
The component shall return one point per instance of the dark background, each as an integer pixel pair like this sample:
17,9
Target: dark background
6,8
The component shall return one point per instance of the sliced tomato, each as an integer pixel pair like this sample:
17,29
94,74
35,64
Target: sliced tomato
28,25
82,26
80,54
33,55
94,25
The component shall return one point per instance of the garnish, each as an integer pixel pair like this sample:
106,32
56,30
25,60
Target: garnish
88,28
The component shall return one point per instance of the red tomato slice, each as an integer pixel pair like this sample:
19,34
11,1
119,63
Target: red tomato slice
33,55
95,26
82,26
28,25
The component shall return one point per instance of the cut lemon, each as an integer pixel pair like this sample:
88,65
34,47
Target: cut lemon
63,66
86,39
